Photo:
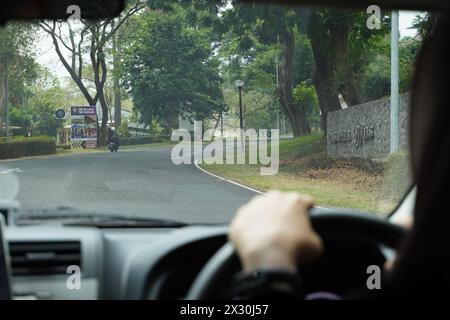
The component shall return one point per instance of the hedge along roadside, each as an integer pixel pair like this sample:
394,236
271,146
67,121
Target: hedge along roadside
142,140
27,147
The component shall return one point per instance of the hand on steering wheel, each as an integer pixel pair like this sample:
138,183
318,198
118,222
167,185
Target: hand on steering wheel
274,231
282,231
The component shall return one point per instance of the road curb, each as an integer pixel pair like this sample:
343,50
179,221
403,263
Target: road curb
48,156
225,179
237,183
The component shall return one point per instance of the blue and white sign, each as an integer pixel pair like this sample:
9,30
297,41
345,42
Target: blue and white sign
60,114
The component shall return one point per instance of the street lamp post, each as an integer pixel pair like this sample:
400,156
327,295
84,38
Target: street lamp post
240,84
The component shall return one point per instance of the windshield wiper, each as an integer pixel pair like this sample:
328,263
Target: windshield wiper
73,217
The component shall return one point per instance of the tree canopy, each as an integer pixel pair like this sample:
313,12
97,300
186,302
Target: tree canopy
170,70
180,58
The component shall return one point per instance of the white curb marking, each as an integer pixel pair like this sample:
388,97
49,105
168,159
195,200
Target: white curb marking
224,179
15,170
238,184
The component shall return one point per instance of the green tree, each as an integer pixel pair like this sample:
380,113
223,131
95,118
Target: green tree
169,69
375,76
17,65
341,45
260,110
37,113
425,23
257,65
256,24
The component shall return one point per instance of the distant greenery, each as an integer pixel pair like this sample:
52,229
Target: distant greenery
376,75
36,113
123,130
260,109
169,58
306,96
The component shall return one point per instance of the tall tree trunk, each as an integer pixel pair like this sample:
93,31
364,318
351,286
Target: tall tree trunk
116,85
325,74
344,64
351,90
330,45
294,111
103,126
171,120
101,97
100,73
3,105
326,87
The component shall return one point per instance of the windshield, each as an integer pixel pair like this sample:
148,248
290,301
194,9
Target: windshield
186,110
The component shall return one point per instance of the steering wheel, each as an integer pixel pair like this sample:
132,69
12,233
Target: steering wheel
351,225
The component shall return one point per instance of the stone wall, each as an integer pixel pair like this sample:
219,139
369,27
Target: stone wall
364,130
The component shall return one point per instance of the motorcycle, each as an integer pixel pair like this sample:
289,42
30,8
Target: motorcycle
113,145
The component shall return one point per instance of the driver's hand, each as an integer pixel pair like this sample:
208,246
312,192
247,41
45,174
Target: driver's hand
274,231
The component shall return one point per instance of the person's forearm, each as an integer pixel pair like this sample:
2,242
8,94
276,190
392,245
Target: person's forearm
274,258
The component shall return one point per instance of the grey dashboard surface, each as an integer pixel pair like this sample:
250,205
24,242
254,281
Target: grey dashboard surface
115,263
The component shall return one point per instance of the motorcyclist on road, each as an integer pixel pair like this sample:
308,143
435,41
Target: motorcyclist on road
113,137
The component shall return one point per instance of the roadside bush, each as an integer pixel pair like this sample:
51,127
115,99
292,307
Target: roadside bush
27,147
305,95
142,140
123,129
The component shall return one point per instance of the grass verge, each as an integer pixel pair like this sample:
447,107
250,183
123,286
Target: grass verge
349,183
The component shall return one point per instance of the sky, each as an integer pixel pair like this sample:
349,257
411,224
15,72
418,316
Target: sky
48,57
405,20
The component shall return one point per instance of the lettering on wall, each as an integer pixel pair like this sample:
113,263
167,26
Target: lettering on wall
358,136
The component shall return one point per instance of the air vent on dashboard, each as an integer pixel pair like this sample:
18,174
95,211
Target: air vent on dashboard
43,258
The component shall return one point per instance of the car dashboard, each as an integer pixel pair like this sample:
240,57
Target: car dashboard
154,263
139,263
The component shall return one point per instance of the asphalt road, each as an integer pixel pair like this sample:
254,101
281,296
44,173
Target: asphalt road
131,182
